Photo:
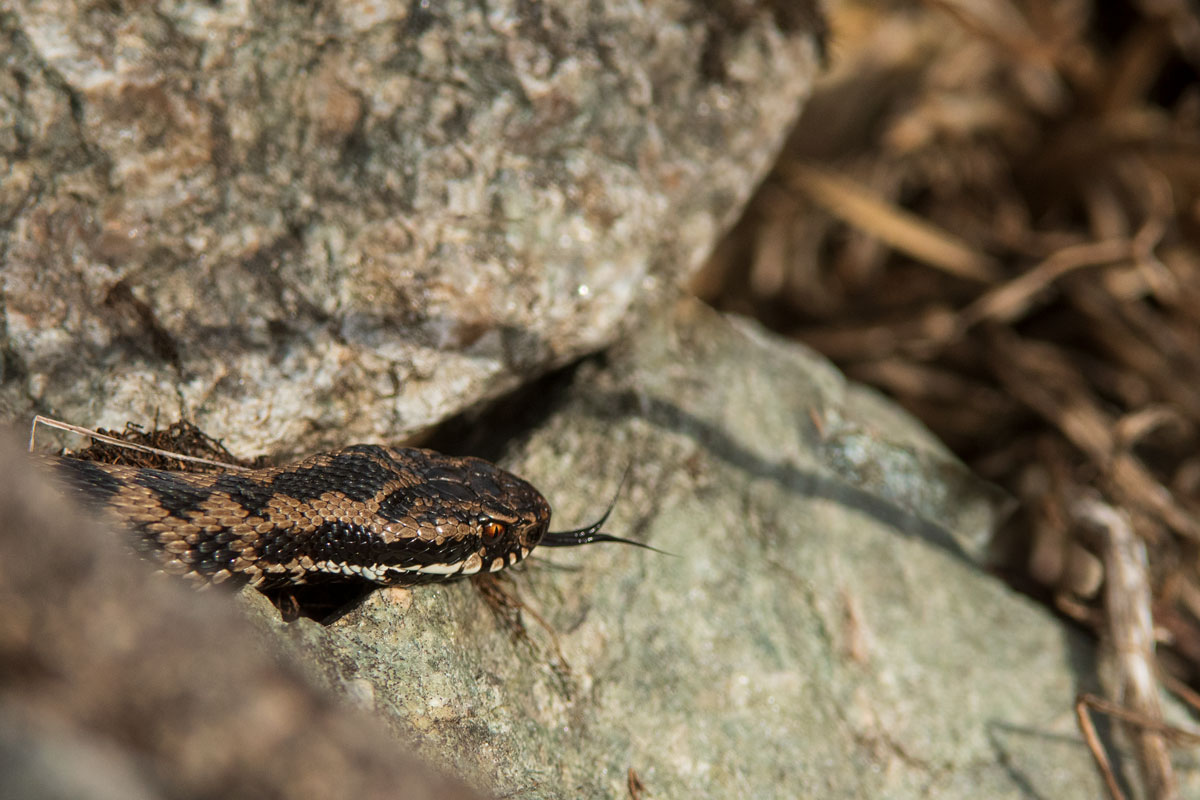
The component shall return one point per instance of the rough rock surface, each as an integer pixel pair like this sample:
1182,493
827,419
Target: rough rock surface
119,683
822,631
299,224
309,224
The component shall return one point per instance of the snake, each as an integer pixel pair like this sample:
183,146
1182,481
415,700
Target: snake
390,516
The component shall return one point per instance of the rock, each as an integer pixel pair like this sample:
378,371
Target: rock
303,226
116,682
821,631
300,225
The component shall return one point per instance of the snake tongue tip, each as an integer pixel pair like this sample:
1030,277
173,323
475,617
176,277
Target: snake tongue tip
590,536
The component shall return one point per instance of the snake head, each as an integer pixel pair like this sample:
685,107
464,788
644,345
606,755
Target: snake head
513,515
461,516
454,516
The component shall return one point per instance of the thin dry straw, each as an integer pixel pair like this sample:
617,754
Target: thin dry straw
66,426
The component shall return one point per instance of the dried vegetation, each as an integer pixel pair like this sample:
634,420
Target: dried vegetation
991,210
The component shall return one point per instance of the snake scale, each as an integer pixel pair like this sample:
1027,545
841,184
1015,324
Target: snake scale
370,513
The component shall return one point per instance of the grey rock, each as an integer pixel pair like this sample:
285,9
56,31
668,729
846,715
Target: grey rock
301,224
822,630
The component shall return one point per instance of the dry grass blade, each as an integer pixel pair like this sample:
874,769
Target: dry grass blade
633,783
1130,635
858,206
1088,701
1145,422
126,444
1015,298
1047,380
1096,747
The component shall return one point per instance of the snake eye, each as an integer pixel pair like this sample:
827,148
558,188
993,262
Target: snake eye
492,530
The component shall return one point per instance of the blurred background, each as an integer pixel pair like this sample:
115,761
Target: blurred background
989,211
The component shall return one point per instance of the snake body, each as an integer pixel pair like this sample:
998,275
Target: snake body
385,515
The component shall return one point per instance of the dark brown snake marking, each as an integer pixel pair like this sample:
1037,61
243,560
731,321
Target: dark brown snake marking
385,515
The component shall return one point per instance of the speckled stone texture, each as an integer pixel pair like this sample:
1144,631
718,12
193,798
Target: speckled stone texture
822,631
307,224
